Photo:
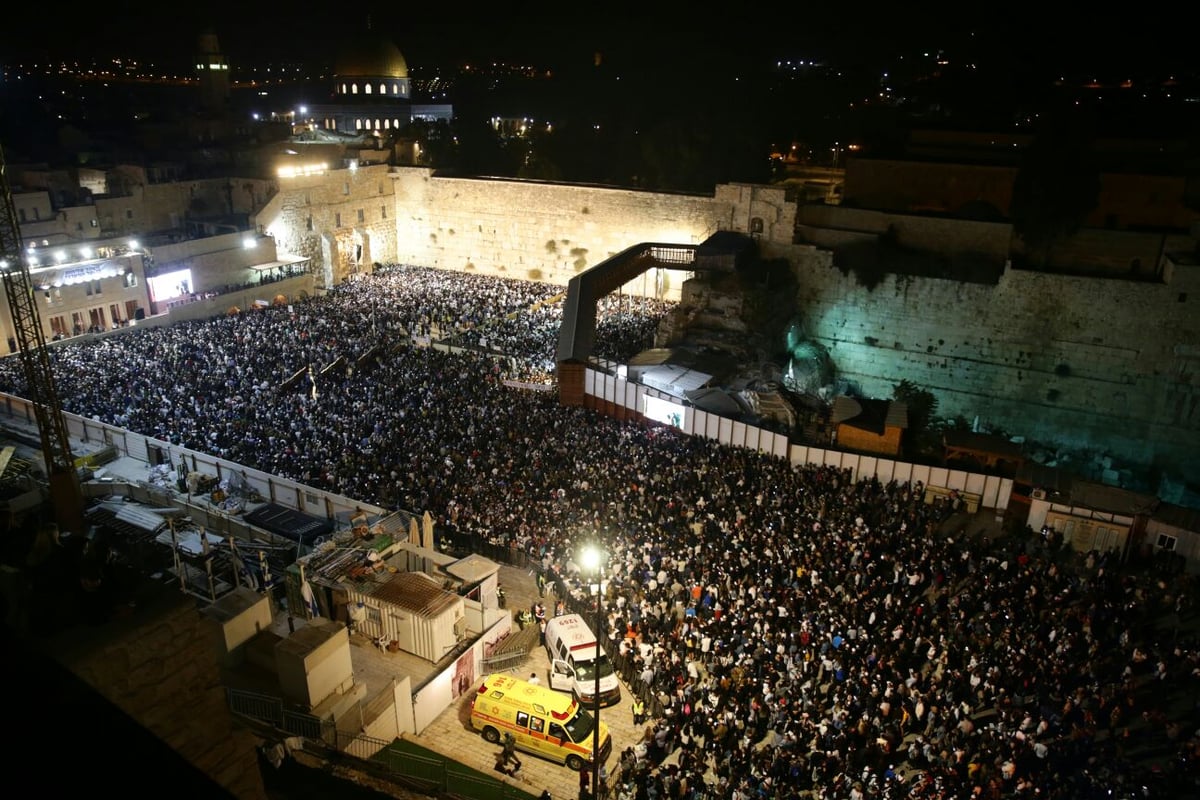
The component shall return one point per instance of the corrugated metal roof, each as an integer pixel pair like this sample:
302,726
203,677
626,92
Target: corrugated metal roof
1182,517
672,378
415,592
897,415
1113,499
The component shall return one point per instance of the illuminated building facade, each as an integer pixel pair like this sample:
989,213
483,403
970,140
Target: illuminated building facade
372,92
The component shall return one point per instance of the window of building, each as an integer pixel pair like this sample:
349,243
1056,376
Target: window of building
95,223
129,213
382,88
373,615
311,499
337,220
1166,542
383,212
21,214
366,88
354,88
362,215
114,313
131,309
130,280
308,223
345,187
78,226
58,326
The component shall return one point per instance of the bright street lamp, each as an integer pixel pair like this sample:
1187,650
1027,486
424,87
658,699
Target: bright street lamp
592,561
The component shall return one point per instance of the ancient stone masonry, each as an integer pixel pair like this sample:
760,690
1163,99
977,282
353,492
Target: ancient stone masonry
1095,363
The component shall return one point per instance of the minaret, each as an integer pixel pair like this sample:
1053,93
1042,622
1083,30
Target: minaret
212,74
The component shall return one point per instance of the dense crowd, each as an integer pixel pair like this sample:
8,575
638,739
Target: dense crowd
802,633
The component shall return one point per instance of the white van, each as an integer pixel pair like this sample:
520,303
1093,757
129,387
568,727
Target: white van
575,661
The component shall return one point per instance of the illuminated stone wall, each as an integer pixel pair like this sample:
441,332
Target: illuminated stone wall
1100,363
535,231
1083,362
327,217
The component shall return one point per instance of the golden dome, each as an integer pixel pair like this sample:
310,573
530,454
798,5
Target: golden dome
370,56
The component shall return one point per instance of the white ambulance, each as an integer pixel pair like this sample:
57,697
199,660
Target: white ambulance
576,662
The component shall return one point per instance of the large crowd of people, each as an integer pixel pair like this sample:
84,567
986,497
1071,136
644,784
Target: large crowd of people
800,633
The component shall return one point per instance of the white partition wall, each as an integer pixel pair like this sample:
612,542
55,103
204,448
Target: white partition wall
148,450
992,490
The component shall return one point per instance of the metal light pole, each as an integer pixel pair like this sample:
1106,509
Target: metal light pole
593,562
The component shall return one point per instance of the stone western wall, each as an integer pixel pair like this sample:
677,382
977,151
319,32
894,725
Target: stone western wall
535,231
343,220
1105,364
1101,364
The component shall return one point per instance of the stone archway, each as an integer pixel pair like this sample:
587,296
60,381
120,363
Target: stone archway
365,252
328,261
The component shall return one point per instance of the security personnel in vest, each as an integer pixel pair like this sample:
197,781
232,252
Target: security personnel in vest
639,711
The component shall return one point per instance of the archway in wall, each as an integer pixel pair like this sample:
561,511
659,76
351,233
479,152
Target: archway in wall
328,256
366,253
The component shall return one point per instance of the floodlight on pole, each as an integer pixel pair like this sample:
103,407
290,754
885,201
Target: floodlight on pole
591,560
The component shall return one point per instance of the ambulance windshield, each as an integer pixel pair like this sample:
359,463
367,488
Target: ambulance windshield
580,726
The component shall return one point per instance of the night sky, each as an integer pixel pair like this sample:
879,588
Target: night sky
672,34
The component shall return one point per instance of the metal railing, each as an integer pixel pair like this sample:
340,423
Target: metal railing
430,774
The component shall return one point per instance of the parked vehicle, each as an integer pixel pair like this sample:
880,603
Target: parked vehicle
544,722
576,661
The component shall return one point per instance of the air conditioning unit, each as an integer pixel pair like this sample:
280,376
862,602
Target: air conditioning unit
1039,494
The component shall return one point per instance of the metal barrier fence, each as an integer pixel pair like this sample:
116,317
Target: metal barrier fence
262,707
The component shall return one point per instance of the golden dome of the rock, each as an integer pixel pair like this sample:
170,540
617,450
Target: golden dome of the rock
370,56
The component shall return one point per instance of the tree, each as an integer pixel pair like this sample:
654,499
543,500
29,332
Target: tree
1057,184
921,403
